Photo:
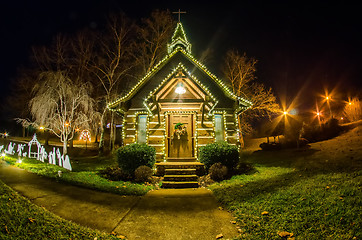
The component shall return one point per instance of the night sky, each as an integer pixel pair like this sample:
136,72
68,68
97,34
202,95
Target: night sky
302,47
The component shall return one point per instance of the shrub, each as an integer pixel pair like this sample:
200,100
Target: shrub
143,174
114,173
328,130
221,152
218,172
132,156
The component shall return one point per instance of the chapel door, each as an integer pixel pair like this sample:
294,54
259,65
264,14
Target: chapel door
180,136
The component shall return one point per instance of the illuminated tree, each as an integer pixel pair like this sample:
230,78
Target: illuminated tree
353,110
112,66
240,71
125,52
60,106
60,100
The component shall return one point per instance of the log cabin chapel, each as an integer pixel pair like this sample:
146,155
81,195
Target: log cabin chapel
179,106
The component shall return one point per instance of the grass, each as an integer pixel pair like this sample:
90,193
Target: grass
20,219
85,174
312,193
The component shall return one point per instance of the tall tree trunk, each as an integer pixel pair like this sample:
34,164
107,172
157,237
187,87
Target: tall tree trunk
111,129
101,140
102,129
47,136
241,138
65,150
96,137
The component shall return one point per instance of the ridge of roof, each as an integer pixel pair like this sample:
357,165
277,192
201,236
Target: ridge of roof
158,66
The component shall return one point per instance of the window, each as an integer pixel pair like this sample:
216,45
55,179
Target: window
142,128
219,128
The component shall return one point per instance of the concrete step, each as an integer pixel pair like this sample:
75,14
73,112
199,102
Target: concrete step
180,178
171,184
181,171
161,167
186,159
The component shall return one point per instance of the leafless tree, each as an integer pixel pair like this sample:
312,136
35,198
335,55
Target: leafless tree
153,34
112,65
60,106
21,94
240,71
353,110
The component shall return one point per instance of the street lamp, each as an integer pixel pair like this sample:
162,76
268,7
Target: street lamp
328,98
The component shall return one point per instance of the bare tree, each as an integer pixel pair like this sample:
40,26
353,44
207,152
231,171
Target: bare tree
21,94
353,110
112,65
240,71
61,93
60,106
153,34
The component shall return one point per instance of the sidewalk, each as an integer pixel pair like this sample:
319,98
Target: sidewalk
161,214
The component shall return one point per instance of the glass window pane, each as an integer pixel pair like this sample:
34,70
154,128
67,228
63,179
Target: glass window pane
219,128
142,129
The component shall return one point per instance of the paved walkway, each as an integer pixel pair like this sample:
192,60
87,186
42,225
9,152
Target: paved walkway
161,214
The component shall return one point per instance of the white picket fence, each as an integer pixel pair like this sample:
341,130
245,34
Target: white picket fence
53,157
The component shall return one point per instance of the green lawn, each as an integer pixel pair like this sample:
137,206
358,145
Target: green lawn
20,219
313,193
84,174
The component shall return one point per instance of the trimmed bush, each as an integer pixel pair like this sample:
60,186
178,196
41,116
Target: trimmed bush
115,173
218,172
221,152
327,130
132,156
143,174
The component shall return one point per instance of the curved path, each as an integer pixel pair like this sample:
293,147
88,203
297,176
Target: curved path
161,214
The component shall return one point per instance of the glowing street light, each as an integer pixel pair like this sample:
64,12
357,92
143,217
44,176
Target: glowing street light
328,98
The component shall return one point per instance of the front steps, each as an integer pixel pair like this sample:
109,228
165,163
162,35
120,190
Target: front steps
179,174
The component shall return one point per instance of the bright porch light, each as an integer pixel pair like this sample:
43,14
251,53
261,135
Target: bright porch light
180,89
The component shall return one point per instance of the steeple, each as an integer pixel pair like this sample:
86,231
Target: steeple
179,40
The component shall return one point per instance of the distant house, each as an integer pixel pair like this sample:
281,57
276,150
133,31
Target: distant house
179,106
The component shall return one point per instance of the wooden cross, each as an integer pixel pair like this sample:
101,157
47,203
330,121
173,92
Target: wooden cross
179,14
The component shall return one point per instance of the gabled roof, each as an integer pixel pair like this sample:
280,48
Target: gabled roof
180,56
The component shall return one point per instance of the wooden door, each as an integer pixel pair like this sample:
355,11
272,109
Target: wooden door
180,136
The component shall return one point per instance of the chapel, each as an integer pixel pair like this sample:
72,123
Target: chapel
179,106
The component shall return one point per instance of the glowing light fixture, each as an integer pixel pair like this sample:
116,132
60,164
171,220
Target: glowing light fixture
180,89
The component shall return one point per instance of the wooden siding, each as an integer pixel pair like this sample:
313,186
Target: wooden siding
157,132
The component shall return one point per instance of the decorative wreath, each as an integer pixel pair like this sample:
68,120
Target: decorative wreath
180,130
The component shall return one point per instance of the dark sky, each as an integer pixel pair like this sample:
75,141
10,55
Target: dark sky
302,46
